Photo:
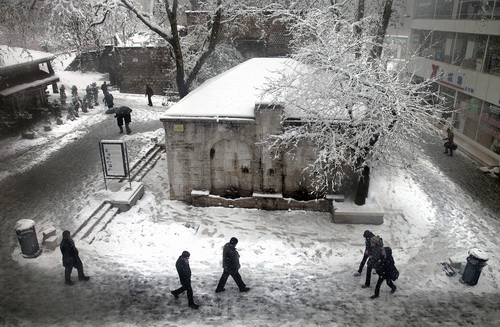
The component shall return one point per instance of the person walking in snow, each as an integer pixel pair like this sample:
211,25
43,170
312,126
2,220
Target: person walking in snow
376,246
184,271
231,265
122,114
104,88
368,249
449,144
149,94
386,270
108,100
95,93
71,259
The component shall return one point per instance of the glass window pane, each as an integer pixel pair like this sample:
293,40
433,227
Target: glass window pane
442,44
470,9
474,53
424,8
469,110
492,61
444,9
489,130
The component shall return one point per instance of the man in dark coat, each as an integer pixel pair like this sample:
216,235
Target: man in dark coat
385,271
231,265
184,272
122,114
71,259
149,94
368,249
104,88
108,100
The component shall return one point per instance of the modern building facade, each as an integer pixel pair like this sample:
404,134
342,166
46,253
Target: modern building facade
458,43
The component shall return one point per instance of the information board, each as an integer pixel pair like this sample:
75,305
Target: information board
114,159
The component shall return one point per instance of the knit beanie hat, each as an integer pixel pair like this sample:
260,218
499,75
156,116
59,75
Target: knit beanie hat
185,254
233,241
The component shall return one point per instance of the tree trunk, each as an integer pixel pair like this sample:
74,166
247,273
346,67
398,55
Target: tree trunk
364,181
382,29
360,14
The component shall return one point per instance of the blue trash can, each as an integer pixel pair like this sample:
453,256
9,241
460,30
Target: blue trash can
26,234
475,263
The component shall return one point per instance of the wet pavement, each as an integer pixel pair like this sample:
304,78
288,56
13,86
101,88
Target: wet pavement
465,173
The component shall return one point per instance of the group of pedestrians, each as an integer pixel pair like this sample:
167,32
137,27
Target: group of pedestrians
122,113
378,257
230,265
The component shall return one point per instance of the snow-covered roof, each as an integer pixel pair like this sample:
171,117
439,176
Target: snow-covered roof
233,93
12,57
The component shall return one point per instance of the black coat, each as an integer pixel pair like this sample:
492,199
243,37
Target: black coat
230,258
70,253
184,271
386,268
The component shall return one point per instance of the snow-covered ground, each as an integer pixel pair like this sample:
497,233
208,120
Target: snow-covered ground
298,264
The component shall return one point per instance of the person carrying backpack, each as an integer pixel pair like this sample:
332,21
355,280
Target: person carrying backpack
386,270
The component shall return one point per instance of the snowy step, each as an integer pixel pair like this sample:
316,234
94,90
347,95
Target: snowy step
147,162
101,224
94,219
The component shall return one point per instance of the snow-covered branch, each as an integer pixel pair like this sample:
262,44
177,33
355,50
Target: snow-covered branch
353,109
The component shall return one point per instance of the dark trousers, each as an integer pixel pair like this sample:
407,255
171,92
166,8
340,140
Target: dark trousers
185,287
149,101
448,146
362,264
69,268
368,275
236,276
379,283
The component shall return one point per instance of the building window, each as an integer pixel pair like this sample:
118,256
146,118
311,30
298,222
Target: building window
495,8
279,37
489,128
492,61
442,45
425,8
474,51
421,43
469,112
473,9
448,100
444,9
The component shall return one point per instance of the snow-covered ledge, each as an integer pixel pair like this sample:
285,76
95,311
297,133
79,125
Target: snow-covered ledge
341,211
349,213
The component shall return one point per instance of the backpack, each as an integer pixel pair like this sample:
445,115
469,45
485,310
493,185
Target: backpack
394,272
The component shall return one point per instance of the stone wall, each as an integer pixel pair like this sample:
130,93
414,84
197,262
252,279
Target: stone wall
228,158
131,68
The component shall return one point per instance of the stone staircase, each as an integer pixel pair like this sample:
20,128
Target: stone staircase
105,213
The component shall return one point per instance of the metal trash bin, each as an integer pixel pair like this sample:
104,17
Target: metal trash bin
475,263
26,234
